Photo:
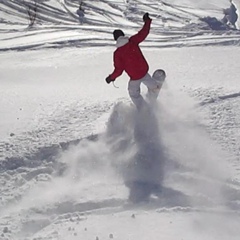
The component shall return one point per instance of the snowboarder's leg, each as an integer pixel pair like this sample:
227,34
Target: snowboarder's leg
152,85
135,93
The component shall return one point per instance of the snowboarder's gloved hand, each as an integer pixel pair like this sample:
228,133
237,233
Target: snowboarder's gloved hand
108,79
146,17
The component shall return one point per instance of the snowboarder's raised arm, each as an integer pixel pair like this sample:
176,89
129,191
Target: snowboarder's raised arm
142,34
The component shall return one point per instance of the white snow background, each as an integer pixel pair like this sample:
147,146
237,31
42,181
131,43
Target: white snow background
67,138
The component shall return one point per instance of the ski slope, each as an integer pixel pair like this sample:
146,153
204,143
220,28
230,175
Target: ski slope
58,24
69,141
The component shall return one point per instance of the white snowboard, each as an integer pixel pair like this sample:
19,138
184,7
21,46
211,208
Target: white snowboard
159,75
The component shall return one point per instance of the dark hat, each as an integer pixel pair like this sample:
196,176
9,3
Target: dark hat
117,33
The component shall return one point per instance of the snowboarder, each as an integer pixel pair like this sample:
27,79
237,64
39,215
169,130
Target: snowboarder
230,15
128,57
80,13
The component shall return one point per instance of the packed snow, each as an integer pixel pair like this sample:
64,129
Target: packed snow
71,145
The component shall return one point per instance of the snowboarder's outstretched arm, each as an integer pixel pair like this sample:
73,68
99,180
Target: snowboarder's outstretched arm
142,34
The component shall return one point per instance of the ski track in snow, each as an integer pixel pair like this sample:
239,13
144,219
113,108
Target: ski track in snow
35,161
224,119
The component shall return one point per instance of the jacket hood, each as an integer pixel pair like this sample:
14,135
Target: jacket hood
121,41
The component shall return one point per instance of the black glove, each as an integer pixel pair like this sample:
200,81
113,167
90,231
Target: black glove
146,17
108,79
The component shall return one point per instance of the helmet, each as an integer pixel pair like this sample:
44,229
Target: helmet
117,33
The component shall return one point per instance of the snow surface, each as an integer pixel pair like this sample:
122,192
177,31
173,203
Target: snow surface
67,139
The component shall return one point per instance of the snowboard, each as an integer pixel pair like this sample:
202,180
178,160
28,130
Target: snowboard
159,75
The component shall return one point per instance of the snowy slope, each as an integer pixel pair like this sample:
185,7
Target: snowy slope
67,145
58,25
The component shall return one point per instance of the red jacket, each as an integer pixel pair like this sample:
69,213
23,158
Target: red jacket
128,56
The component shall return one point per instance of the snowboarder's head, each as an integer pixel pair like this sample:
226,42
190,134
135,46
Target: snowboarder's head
117,33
